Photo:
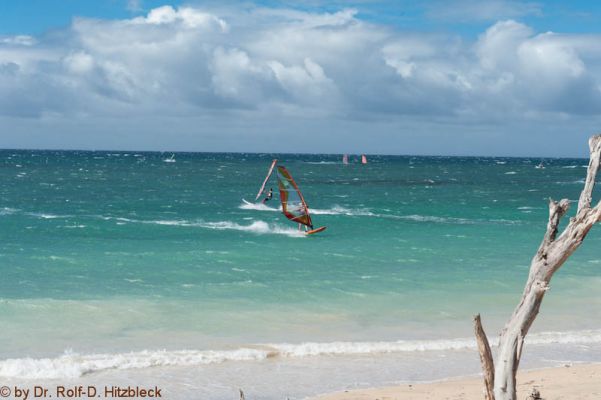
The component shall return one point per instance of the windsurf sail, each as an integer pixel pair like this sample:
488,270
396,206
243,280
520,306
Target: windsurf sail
293,203
345,159
363,159
273,163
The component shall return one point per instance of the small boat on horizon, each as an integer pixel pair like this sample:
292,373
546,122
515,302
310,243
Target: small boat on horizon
170,159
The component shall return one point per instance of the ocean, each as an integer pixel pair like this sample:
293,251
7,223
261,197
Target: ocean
120,268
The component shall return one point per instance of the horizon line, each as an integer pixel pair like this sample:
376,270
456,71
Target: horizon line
299,153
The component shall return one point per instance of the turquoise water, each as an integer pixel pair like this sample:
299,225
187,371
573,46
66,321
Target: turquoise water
111,253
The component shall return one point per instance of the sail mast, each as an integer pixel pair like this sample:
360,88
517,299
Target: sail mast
273,163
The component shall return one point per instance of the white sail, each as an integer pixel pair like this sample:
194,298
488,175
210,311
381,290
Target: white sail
273,163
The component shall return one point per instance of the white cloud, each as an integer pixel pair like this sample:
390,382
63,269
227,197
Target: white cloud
269,64
188,17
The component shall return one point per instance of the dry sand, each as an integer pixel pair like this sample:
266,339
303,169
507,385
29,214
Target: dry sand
582,382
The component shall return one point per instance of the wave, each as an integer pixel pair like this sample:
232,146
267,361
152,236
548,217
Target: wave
259,227
430,218
7,211
71,365
247,205
47,216
335,210
365,212
338,210
577,182
41,215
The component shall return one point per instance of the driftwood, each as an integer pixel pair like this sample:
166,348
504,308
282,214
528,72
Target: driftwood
500,379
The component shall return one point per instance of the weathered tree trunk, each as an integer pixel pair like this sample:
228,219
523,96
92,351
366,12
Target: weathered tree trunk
551,255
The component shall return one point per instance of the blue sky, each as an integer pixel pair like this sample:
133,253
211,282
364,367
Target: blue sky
489,77
38,16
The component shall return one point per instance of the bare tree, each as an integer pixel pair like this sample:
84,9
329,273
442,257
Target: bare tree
500,379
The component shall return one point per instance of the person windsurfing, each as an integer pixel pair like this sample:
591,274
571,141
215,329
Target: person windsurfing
269,196
303,210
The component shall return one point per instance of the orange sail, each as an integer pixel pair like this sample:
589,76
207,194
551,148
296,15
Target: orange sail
293,203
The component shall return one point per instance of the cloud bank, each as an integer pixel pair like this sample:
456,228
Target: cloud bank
249,73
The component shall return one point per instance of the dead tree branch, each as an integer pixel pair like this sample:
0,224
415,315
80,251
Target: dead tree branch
551,255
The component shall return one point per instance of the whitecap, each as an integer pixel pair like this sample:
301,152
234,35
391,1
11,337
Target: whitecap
72,365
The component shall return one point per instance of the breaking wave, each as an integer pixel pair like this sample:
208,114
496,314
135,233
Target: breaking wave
72,365
259,227
335,210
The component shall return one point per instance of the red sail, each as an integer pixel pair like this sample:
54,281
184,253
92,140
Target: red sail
293,203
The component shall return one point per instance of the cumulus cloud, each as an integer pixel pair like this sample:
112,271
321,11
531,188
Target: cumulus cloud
188,61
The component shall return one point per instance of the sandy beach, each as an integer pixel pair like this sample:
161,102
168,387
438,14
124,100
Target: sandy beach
568,382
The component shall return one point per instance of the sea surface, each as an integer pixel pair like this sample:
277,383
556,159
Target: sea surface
123,268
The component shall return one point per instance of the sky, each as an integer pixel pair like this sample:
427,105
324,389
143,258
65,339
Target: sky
462,77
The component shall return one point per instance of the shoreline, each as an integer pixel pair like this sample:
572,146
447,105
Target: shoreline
571,381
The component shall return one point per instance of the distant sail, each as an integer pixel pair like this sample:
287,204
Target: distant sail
363,159
273,163
345,159
293,203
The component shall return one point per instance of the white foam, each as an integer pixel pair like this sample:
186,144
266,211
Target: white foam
48,216
338,210
246,205
430,218
74,365
335,210
71,365
8,211
260,227
510,173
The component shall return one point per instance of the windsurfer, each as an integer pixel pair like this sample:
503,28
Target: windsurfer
269,196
